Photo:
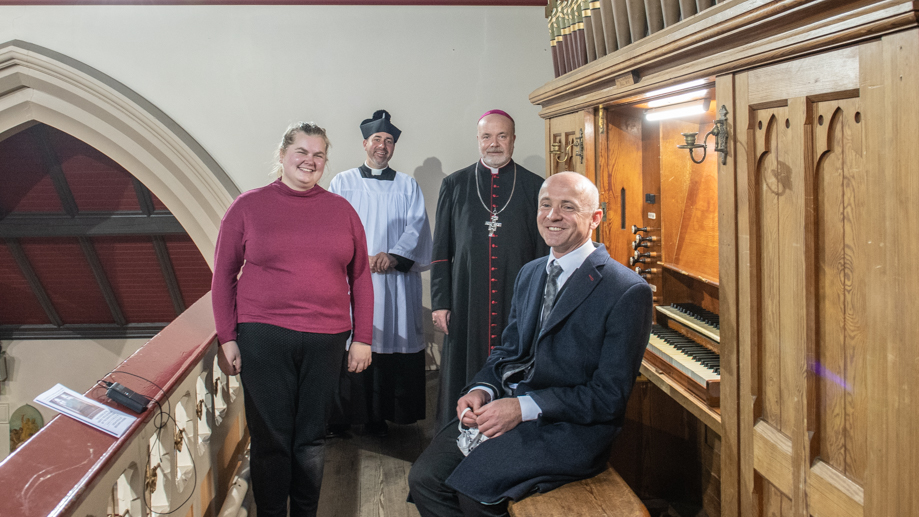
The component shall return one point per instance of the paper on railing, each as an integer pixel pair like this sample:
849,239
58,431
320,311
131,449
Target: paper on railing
90,412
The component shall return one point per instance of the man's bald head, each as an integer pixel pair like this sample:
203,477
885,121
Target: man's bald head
580,184
569,210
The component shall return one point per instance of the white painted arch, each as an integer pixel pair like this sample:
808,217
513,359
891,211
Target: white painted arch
41,85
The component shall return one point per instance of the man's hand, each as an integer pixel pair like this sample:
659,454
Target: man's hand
474,400
228,358
442,320
382,262
358,357
498,417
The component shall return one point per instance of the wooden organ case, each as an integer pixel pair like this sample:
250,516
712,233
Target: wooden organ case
787,267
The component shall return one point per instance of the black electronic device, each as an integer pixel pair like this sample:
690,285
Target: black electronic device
127,398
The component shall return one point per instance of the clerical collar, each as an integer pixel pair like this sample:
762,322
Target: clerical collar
570,261
387,174
494,170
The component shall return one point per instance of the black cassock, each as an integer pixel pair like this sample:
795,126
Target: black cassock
472,272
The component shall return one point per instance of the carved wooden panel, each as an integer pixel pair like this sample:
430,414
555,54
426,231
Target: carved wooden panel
806,204
840,335
565,144
778,185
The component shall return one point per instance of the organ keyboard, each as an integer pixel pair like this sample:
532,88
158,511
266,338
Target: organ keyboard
693,366
694,317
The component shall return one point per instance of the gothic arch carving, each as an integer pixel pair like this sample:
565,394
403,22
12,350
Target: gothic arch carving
40,85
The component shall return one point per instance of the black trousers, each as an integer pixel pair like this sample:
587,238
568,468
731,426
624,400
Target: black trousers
288,379
427,481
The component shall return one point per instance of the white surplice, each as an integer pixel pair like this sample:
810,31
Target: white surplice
395,221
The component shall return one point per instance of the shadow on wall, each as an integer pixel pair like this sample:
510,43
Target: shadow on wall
429,177
535,164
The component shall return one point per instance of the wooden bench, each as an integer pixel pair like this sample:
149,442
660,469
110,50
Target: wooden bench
605,494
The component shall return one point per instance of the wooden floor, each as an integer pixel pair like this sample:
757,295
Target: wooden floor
367,476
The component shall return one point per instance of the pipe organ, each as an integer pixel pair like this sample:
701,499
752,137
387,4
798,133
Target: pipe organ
582,31
777,375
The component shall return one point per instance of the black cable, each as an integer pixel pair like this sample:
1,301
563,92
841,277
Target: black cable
194,467
165,396
158,430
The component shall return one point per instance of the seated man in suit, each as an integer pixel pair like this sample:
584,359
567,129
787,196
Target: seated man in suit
552,397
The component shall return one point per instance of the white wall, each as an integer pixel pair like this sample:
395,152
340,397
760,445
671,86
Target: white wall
35,366
235,76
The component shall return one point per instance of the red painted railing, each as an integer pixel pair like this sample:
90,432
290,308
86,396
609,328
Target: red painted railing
54,471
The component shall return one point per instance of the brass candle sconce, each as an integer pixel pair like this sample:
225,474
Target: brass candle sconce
576,143
719,131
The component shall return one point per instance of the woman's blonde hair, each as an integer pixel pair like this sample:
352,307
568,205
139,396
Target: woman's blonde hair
307,128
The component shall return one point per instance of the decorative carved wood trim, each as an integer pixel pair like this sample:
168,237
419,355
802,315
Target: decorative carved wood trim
178,438
726,38
664,44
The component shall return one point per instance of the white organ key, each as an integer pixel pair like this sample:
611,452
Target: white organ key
683,362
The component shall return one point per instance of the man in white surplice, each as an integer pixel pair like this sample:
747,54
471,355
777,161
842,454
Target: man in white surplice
391,207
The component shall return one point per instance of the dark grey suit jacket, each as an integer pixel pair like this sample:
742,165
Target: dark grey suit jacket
586,361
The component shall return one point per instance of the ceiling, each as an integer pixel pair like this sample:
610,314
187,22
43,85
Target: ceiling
86,250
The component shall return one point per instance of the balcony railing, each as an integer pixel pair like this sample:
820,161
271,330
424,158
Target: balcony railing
181,464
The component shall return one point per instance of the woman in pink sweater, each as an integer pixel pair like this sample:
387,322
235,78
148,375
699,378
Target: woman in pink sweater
291,284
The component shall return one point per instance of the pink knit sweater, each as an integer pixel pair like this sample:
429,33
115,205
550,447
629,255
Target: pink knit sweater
306,264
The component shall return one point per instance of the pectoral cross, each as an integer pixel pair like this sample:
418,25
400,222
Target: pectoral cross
492,225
